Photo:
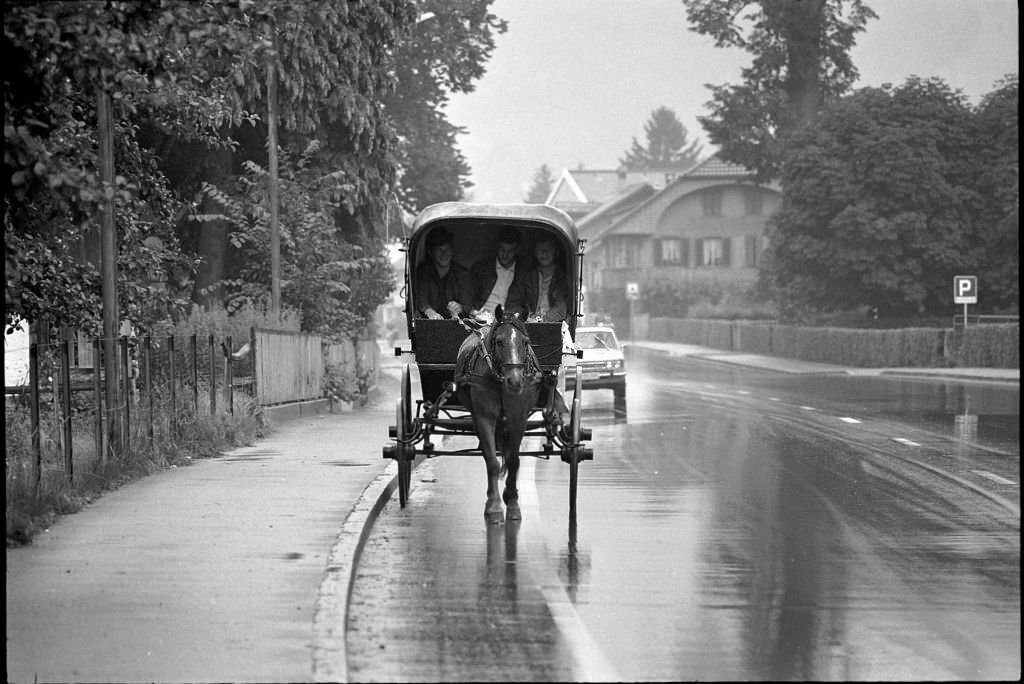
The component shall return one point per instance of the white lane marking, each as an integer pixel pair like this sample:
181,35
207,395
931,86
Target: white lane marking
993,477
849,420
742,392
591,664
808,408
773,399
905,442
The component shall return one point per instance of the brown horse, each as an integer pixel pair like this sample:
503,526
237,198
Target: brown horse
498,381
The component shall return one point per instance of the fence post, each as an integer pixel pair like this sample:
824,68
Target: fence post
65,379
193,344
213,379
228,379
97,388
252,357
149,387
127,432
33,400
174,394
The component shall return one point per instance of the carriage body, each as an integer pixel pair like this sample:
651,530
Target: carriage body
435,343
475,228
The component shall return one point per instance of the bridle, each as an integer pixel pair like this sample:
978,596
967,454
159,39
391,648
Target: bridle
487,343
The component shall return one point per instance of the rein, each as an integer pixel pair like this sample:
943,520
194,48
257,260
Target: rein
485,343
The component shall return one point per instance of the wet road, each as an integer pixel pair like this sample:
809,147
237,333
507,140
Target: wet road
735,524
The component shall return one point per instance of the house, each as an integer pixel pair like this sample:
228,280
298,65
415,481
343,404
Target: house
707,222
581,191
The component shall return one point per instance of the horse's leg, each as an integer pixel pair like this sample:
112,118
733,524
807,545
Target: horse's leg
517,412
485,417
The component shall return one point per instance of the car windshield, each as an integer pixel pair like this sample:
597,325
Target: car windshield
596,339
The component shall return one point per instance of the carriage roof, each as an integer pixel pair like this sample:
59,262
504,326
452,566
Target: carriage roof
539,215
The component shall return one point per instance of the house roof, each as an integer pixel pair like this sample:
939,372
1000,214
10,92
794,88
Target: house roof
596,186
711,168
715,167
622,202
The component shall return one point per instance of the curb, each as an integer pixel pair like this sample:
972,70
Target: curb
330,616
950,376
298,409
718,357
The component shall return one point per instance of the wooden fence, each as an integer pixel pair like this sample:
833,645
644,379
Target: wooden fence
164,385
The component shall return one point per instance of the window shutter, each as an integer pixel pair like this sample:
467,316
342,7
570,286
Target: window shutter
698,252
725,251
684,252
657,252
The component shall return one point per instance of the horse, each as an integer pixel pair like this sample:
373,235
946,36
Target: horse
498,379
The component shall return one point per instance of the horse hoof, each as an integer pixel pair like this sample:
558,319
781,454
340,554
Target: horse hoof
494,513
513,511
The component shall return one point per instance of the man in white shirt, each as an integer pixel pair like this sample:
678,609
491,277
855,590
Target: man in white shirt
494,279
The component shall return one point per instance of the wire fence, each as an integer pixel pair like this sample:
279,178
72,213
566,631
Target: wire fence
161,385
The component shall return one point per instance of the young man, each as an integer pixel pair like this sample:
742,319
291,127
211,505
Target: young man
443,288
545,289
499,280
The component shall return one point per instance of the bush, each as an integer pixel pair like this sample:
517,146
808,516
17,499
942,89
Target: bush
985,346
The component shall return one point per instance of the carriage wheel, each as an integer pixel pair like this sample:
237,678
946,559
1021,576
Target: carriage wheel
404,427
574,449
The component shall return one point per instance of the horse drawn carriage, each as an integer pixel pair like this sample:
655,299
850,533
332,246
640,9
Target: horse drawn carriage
500,383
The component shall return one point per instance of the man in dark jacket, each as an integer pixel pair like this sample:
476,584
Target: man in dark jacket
443,287
545,289
499,279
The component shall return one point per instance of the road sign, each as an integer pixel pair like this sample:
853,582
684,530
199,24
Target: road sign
965,289
632,290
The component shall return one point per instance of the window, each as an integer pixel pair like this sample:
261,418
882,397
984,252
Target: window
713,252
752,248
754,201
622,253
711,201
673,252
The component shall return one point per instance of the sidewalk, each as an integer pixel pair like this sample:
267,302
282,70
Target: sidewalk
209,572
784,365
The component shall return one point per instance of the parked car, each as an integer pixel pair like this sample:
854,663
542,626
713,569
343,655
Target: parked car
603,364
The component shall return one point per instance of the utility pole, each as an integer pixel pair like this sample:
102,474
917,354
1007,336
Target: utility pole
275,231
108,265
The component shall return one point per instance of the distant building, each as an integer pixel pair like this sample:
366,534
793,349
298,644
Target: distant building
707,221
579,192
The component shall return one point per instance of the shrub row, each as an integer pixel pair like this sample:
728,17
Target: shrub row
989,346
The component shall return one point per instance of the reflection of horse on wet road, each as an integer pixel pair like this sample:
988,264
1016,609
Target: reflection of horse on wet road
498,380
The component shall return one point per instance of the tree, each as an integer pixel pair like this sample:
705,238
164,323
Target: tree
60,57
801,62
543,181
185,78
887,196
667,146
444,52
997,177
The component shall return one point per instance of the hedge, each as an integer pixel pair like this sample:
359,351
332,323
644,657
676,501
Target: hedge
987,346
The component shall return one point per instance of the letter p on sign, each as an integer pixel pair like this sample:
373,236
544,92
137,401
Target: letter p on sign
965,289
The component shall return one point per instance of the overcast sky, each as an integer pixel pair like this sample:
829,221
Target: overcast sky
573,81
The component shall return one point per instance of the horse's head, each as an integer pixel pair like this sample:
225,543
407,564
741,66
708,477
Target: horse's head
510,350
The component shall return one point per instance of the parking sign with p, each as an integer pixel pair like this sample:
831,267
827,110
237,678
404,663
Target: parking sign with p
965,289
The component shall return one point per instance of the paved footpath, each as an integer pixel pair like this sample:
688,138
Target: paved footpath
208,572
